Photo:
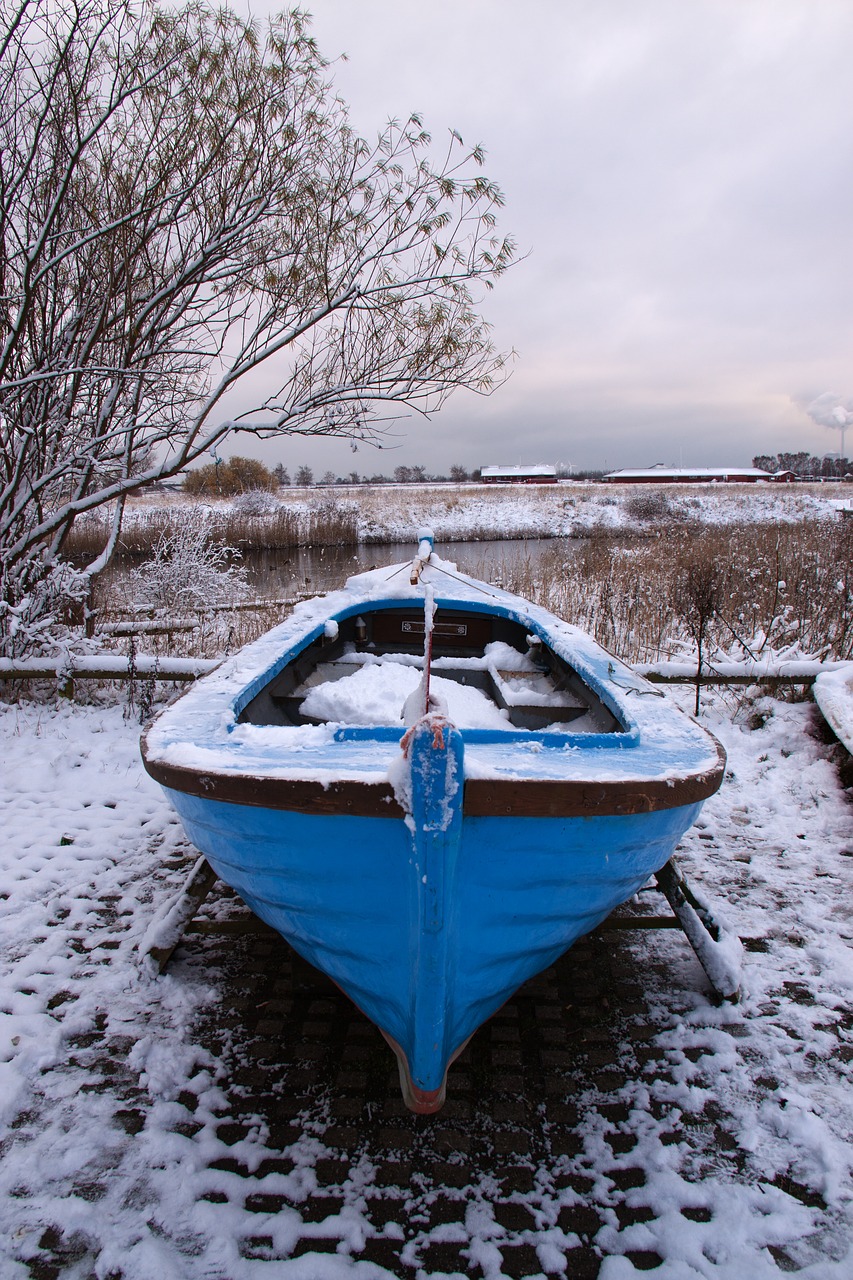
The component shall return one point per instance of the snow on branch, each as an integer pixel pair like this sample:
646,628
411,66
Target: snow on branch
182,200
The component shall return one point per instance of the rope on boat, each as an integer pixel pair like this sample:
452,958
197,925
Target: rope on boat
632,688
424,560
466,582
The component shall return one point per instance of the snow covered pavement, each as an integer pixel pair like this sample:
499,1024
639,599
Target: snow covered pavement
238,1118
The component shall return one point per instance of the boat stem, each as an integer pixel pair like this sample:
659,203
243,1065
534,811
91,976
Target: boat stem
437,769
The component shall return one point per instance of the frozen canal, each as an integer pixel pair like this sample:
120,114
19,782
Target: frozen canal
239,1118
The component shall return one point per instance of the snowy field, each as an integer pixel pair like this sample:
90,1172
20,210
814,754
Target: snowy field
393,513
142,1139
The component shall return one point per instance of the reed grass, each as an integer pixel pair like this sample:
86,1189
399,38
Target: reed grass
328,525
770,589
280,528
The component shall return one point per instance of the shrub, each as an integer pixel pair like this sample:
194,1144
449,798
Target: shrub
187,569
256,502
224,479
649,505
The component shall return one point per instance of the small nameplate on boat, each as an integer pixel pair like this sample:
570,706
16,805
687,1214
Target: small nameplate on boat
452,632
439,628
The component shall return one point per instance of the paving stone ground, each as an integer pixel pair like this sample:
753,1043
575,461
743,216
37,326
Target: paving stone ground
511,1137
609,1119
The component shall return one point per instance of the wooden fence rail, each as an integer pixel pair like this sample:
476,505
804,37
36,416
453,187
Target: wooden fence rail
792,672
107,667
153,667
237,606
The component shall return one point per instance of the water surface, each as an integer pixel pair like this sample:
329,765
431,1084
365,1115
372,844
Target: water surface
320,569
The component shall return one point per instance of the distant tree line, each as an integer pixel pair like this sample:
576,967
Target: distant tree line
805,465
241,475
457,474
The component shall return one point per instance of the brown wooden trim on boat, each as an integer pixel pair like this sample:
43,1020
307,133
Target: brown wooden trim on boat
539,798
512,797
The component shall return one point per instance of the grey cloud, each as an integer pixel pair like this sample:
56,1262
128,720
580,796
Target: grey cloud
678,175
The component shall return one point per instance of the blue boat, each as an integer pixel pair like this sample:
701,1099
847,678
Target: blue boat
431,788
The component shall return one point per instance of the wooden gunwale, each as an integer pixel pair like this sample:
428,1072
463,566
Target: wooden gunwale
483,797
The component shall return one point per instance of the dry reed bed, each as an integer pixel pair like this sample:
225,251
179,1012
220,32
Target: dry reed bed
389,514
765,589
280,529
754,589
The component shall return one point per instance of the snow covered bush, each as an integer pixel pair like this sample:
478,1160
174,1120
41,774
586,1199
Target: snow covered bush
187,569
37,603
256,502
650,505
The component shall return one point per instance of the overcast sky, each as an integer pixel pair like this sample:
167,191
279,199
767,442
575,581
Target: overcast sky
678,174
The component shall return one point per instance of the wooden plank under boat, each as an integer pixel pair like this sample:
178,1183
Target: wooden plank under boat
430,860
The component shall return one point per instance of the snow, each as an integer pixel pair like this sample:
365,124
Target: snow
376,693
476,512
738,1117
202,731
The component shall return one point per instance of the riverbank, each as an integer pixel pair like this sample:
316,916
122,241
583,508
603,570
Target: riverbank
750,589
348,515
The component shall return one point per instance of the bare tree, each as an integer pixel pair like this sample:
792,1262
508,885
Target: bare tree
182,201
698,601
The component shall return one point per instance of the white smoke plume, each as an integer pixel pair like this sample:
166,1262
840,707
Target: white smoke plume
831,410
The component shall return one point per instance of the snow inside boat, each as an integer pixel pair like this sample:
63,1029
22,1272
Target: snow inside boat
431,788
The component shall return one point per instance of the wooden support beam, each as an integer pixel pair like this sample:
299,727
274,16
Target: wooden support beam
236,606
167,928
145,628
717,949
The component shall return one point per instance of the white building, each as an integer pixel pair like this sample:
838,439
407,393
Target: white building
660,474
541,473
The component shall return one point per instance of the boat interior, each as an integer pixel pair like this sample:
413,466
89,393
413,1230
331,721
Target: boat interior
522,679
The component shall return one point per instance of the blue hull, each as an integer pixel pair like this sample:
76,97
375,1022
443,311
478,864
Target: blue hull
348,895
